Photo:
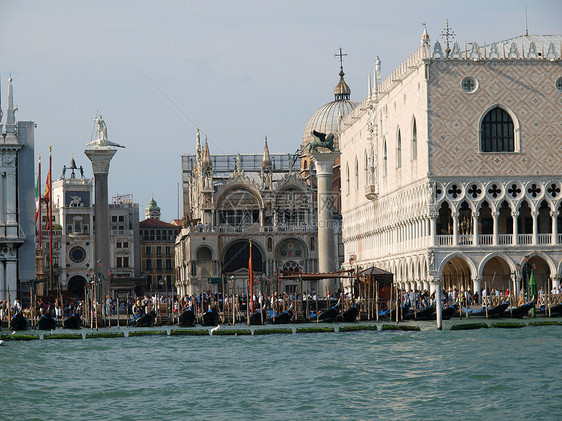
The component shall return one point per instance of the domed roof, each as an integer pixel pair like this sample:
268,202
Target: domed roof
326,119
152,206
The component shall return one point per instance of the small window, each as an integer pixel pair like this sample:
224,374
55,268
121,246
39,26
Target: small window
414,140
469,84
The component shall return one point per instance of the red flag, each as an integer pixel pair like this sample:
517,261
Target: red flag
251,273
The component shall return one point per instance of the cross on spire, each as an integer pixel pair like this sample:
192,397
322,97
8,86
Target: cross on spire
341,55
447,33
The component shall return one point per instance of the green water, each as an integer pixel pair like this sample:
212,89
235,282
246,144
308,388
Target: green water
479,374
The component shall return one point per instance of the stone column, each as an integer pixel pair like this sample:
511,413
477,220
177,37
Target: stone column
535,215
11,277
515,217
455,228
475,232
101,159
554,216
324,163
433,229
555,280
476,281
495,236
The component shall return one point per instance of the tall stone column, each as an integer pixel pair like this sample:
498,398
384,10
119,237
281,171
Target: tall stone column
324,163
100,158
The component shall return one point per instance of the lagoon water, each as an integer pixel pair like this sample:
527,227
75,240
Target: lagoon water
478,374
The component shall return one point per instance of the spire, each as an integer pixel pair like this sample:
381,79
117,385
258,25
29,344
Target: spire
198,145
11,118
266,160
206,155
425,36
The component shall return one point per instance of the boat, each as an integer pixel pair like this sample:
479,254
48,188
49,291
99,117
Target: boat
146,320
187,318
493,312
519,312
350,315
555,311
46,322
18,322
281,318
72,322
384,314
326,316
256,318
446,313
210,318
423,314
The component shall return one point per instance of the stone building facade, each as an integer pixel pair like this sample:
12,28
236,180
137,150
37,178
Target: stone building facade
73,233
157,240
17,236
229,200
452,166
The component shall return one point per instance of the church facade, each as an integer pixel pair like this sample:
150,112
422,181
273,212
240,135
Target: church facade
232,201
452,167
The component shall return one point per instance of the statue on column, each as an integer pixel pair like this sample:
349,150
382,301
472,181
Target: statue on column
324,141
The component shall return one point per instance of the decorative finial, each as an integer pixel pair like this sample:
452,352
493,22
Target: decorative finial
448,35
425,35
341,55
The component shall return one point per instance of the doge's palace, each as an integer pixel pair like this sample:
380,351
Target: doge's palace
452,166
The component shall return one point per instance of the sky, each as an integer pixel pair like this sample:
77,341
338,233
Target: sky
237,70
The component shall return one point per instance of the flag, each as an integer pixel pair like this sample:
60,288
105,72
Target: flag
47,195
251,273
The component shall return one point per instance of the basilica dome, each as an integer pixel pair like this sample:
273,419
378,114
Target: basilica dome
327,118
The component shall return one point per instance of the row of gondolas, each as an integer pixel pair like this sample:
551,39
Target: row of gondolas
334,313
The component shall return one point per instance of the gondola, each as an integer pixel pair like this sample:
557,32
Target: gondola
18,322
256,318
325,316
187,318
423,314
46,322
350,315
384,314
493,313
555,311
281,318
146,320
446,313
520,311
210,318
72,322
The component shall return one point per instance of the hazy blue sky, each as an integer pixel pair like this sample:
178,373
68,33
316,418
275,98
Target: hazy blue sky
238,69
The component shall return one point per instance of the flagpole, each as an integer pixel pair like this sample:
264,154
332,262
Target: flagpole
39,206
251,272
50,216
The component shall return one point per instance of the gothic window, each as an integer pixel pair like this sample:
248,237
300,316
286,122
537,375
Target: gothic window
399,150
347,178
497,132
269,243
414,140
356,174
366,168
384,159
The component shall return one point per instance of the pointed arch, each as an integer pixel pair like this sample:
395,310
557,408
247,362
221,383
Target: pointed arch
414,139
398,149
498,130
